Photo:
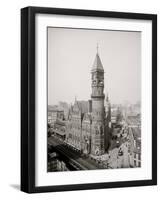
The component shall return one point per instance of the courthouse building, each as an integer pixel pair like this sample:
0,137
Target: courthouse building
88,123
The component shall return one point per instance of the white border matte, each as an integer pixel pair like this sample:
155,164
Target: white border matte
92,176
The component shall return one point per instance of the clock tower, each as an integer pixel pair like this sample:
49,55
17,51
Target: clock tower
98,110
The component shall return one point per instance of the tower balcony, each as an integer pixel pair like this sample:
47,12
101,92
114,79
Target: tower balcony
97,96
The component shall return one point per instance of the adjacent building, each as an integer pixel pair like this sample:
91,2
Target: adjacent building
135,147
54,113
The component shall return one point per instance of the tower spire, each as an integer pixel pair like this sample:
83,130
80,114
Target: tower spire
97,65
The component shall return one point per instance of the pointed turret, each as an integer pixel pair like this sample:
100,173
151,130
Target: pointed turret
97,65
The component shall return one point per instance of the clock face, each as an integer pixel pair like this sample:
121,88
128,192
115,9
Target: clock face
100,82
94,82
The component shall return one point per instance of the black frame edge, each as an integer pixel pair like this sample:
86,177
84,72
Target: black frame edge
154,99
93,186
24,100
91,13
27,100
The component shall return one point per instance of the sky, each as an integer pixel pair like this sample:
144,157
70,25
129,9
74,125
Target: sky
71,54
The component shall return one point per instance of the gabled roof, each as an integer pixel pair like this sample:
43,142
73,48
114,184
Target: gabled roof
97,65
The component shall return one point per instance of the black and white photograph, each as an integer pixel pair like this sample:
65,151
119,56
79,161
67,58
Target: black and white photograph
94,99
